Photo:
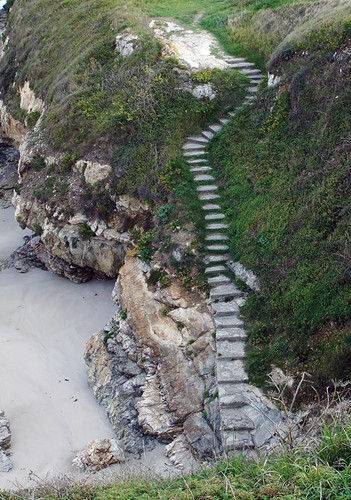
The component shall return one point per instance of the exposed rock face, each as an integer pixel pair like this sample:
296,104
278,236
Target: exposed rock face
100,255
93,172
28,101
11,128
5,443
8,171
148,374
99,454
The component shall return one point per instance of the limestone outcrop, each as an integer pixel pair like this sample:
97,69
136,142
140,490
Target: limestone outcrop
152,367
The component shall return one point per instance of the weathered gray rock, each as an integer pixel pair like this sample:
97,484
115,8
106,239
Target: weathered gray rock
9,157
201,437
5,462
5,432
99,454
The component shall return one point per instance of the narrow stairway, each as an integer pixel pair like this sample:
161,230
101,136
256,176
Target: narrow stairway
237,429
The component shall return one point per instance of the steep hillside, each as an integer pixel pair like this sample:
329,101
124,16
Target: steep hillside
285,167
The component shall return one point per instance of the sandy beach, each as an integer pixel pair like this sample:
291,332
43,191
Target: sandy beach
45,321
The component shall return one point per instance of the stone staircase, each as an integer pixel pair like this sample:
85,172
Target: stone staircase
237,428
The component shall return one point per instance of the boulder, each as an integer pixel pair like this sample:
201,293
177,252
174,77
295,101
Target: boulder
99,454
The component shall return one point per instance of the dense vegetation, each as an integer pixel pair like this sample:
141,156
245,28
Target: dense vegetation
286,178
322,472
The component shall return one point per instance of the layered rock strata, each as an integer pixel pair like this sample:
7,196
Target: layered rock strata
5,443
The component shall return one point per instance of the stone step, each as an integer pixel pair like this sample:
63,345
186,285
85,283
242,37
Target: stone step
256,78
224,291
235,419
231,350
216,237
199,160
216,226
235,60
231,371
236,400
238,440
211,206
249,97
207,134
209,259
203,177
253,90
208,197
189,146
219,280
231,113
217,248
225,308
200,152
232,321
249,72
242,64
218,216
215,269
201,169
232,334
215,128
224,121
198,138
207,187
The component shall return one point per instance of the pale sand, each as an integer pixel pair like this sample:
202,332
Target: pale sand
45,322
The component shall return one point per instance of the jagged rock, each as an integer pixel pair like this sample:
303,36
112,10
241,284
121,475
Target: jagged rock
145,375
99,454
180,455
5,432
245,275
5,462
201,437
5,443
28,101
8,172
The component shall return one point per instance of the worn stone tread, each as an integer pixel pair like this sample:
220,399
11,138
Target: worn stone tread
237,440
224,121
205,168
217,248
198,138
231,350
236,400
225,308
242,64
235,60
215,269
216,237
211,206
196,161
228,321
217,216
193,145
216,127
208,197
207,134
216,258
235,418
231,371
216,226
219,280
231,333
204,177
207,187
200,152
226,291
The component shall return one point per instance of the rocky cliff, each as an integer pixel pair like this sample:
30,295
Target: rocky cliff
152,367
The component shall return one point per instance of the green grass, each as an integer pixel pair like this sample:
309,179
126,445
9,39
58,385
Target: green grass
285,182
322,472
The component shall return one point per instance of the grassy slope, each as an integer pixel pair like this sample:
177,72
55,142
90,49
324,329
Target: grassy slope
323,472
286,181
